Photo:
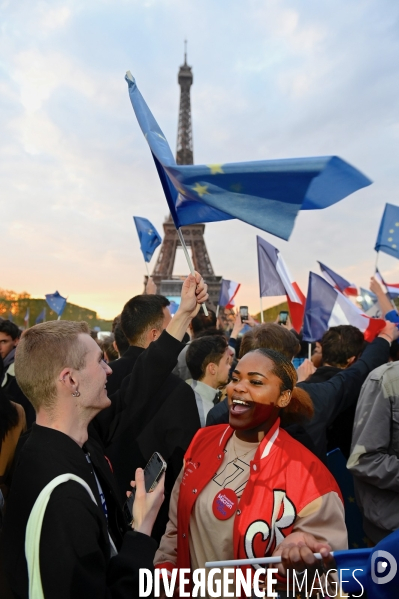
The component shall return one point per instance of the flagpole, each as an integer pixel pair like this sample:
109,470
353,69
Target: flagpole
261,311
376,261
217,311
146,266
189,262
310,351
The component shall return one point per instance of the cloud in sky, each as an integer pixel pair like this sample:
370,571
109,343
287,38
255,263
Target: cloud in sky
275,79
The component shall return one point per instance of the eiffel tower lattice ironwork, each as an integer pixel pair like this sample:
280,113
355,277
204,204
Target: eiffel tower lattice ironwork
168,284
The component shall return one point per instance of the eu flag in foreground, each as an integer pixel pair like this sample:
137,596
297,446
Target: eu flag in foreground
148,236
388,234
56,302
267,194
375,569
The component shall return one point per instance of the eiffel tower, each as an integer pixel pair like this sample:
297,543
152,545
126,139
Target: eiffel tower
168,284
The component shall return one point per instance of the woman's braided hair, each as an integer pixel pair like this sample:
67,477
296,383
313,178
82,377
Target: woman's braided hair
300,404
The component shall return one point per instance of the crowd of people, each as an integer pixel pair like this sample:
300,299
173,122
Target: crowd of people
243,425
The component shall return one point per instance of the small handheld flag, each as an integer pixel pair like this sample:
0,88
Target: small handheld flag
266,194
388,234
367,299
392,288
337,281
372,570
275,279
228,291
41,317
56,302
327,307
148,236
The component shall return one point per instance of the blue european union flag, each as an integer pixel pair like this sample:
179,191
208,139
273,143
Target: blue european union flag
388,234
41,317
375,569
56,302
148,236
267,194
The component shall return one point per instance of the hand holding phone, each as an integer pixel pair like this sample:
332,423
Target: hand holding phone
283,317
152,473
146,505
243,313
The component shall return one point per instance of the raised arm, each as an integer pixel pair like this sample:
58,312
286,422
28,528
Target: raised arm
152,367
383,301
332,397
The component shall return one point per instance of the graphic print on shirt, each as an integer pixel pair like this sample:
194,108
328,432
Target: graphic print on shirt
226,476
261,537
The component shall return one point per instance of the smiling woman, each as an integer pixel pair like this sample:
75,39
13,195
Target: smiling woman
269,492
262,384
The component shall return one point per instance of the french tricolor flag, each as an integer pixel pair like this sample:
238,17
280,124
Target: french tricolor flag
228,291
337,281
327,307
275,279
392,288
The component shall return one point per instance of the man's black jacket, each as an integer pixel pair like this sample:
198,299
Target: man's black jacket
339,433
121,368
166,423
334,396
75,557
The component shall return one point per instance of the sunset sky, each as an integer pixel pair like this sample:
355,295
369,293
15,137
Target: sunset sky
272,79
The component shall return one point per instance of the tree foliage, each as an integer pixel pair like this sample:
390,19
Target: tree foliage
14,306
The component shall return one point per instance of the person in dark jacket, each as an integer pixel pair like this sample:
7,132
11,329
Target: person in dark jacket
165,424
341,346
86,546
143,319
334,396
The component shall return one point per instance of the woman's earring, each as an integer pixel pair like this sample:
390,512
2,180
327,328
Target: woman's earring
76,393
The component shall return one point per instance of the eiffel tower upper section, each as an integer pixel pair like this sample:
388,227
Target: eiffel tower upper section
193,234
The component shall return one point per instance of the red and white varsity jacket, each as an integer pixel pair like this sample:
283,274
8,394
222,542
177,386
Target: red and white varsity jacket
284,478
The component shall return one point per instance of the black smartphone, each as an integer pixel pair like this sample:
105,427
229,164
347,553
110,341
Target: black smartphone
152,473
243,313
283,317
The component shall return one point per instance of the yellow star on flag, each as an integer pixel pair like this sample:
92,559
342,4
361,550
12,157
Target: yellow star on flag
215,169
390,239
351,499
391,230
161,136
201,189
396,224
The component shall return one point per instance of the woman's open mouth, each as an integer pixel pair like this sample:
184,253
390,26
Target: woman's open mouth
239,406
